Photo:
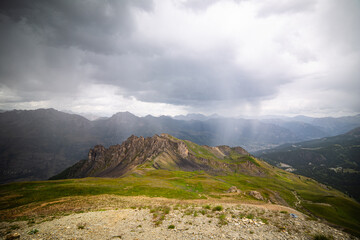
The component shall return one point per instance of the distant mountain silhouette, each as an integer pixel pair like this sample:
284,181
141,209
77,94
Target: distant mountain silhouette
327,126
37,144
196,116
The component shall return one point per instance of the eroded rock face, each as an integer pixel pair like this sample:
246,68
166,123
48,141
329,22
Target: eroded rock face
183,150
119,159
161,152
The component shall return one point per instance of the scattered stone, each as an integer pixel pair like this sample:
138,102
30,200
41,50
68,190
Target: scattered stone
12,236
125,224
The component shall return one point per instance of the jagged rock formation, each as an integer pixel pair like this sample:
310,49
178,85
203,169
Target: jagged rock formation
162,152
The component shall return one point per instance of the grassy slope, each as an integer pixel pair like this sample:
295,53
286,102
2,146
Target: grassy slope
191,185
328,204
332,152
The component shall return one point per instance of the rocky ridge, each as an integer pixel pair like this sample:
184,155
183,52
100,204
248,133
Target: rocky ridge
161,152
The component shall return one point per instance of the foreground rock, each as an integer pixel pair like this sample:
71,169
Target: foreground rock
12,236
228,221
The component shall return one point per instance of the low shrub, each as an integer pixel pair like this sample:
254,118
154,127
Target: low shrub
33,231
322,237
217,208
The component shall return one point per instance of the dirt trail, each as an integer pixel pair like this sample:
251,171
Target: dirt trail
37,207
298,200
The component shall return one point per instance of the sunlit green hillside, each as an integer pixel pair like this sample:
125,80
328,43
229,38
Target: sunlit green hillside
277,186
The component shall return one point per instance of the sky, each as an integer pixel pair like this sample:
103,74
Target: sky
231,57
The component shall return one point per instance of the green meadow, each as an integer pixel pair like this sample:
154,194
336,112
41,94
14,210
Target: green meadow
316,200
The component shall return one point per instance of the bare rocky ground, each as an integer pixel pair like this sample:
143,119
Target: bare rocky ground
165,219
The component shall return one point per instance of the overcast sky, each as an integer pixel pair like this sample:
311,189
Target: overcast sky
232,57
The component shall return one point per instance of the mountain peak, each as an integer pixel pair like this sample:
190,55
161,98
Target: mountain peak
124,114
124,117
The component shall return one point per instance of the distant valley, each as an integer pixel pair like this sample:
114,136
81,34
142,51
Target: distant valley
334,161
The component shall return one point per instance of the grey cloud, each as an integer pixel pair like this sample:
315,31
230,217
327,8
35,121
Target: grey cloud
32,69
185,80
199,5
96,26
44,44
276,7
202,5
49,44
340,25
341,31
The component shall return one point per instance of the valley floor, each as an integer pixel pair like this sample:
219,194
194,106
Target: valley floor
157,218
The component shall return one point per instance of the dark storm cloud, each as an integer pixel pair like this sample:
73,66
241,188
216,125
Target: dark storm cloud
26,66
184,80
89,25
44,44
192,53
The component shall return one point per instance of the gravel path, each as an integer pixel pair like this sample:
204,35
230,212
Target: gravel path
177,222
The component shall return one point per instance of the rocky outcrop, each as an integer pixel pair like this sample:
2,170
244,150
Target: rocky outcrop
159,152
256,195
233,189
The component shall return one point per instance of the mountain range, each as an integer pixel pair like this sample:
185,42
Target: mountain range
311,128
334,161
38,144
